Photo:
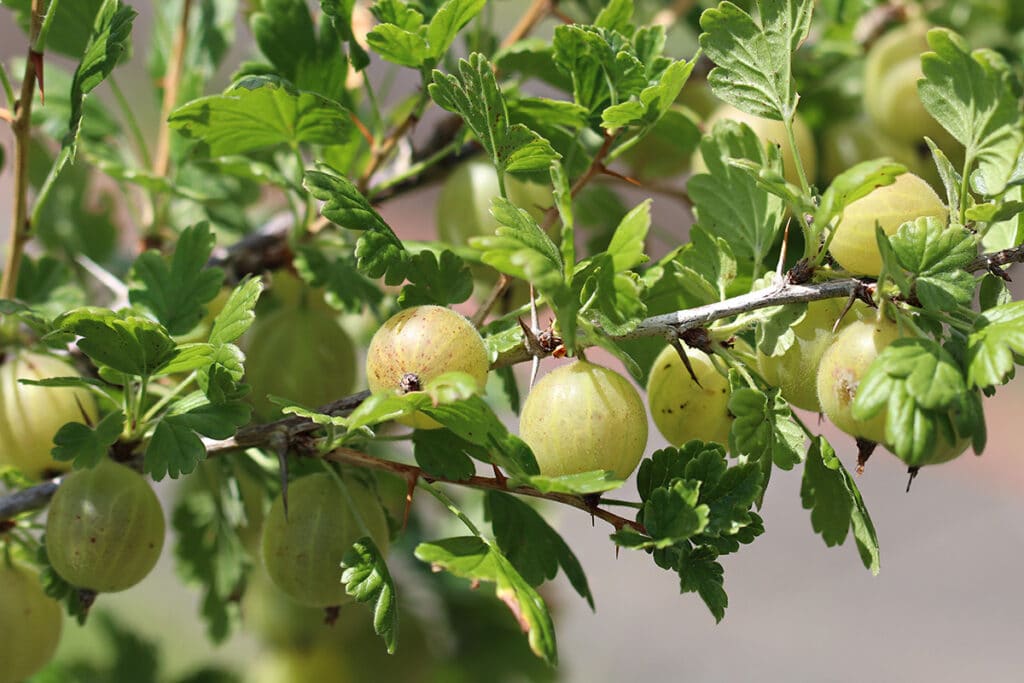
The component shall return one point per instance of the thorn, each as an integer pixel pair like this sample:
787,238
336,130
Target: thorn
331,614
782,252
686,360
37,62
279,443
912,471
615,174
865,448
85,415
533,310
501,478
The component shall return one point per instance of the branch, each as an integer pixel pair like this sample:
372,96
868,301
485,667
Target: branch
294,428
350,457
172,79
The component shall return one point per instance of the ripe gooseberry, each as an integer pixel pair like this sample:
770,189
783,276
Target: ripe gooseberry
105,528
419,344
31,415
582,417
795,371
682,409
29,621
302,552
854,245
843,365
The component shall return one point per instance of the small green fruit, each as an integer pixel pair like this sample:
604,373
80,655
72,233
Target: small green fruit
29,621
684,410
582,417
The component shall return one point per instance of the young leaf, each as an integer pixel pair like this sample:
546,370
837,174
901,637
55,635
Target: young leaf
998,334
285,33
176,293
474,95
972,95
237,315
531,545
432,282
379,252
754,63
836,506
84,445
346,287
473,558
653,101
111,29
260,112
367,579
938,253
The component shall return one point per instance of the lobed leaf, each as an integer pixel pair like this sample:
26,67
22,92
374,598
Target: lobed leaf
367,579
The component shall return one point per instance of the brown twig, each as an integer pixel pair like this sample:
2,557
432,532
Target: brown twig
352,457
21,125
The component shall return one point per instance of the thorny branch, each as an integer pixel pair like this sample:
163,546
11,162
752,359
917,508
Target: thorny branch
293,428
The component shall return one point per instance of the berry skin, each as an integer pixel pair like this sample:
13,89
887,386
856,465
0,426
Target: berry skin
302,553
582,417
31,415
419,344
105,528
684,410
30,622
854,245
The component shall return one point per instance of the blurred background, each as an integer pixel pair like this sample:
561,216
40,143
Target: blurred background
948,604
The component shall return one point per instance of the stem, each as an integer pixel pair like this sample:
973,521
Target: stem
172,80
796,156
6,83
452,507
39,44
21,229
965,188
132,121
156,407
535,13
381,153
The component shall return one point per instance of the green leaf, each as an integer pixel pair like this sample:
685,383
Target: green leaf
260,112
215,420
85,445
69,33
754,62
700,573
379,252
474,95
653,100
127,343
728,201
209,552
440,453
176,293
398,45
929,246
764,428
997,336
237,315
174,449
471,557
346,287
853,184
111,30
367,579
605,66
836,506
340,12
627,245
672,514
440,283
581,484
285,33
971,93
521,249
446,23
531,545
57,588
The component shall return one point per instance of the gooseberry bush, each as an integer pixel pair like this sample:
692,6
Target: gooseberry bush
195,298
